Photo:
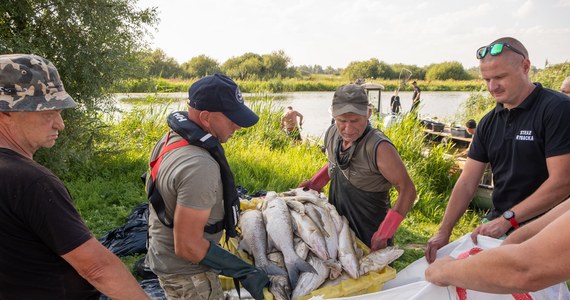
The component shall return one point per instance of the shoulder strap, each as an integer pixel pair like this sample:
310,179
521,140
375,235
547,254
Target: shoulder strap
153,194
166,148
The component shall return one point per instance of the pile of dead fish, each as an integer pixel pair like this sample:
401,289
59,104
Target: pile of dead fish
302,242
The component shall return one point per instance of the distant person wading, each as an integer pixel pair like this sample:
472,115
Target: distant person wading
290,123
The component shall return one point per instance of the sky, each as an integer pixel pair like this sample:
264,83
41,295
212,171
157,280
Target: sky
337,32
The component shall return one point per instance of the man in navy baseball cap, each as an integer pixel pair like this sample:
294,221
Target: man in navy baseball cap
218,93
193,195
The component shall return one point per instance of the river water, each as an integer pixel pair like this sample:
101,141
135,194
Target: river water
443,106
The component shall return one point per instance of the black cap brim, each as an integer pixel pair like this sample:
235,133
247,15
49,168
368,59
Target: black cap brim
243,117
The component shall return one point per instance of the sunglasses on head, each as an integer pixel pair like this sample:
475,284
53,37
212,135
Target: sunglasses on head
496,49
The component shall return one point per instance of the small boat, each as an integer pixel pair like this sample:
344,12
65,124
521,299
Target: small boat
442,133
484,196
374,93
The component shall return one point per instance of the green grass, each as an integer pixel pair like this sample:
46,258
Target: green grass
108,187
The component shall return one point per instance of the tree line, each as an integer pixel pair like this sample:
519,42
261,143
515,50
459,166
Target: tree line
252,66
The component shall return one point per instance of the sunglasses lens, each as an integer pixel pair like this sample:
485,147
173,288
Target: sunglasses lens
481,52
496,49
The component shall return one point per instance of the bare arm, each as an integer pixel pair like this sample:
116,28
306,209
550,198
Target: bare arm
393,169
461,196
189,241
551,192
530,266
531,229
104,271
300,118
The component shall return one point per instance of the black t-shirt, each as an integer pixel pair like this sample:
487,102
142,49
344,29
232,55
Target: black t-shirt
516,143
38,224
417,92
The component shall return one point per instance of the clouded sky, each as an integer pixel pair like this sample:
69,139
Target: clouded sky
337,32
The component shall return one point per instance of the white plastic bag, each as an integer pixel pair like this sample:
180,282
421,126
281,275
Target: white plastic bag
410,283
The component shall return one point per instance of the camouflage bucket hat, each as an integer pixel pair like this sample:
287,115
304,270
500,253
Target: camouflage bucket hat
31,83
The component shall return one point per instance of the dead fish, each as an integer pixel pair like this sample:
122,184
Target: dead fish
335,268
334,281
309,282
337,219
315,217
255,237
301,248
310,233
233,295
346,253
377,260
276,257
302,192
331,236
279,229
296,206
280,287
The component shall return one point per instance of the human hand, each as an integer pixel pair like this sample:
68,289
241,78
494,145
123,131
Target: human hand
318,181
386,230
434,272
495,229
309,184
439,240
378,242
254,282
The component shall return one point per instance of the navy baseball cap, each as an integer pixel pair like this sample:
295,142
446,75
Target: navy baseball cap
218,93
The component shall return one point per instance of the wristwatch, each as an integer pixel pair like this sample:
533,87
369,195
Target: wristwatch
509,215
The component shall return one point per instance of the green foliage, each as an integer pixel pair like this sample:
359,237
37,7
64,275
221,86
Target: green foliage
306,71
249,65
200,66
447,70
263,157
276,65
372,68
477,105
108,186
430,170
74,144
417,72
552,76
161,65
474,72
434,174
92,43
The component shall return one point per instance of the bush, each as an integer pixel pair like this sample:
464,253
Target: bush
447,70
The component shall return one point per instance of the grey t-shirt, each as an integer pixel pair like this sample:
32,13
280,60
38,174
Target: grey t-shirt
188,176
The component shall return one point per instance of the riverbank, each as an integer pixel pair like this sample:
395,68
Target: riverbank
309,84
441,106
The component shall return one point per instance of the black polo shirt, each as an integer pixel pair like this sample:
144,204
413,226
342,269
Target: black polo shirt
516,142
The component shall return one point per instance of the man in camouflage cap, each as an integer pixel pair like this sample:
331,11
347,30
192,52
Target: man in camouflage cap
31,83
47,250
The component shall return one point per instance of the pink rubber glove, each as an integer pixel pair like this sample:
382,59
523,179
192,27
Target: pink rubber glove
318,181
386,230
